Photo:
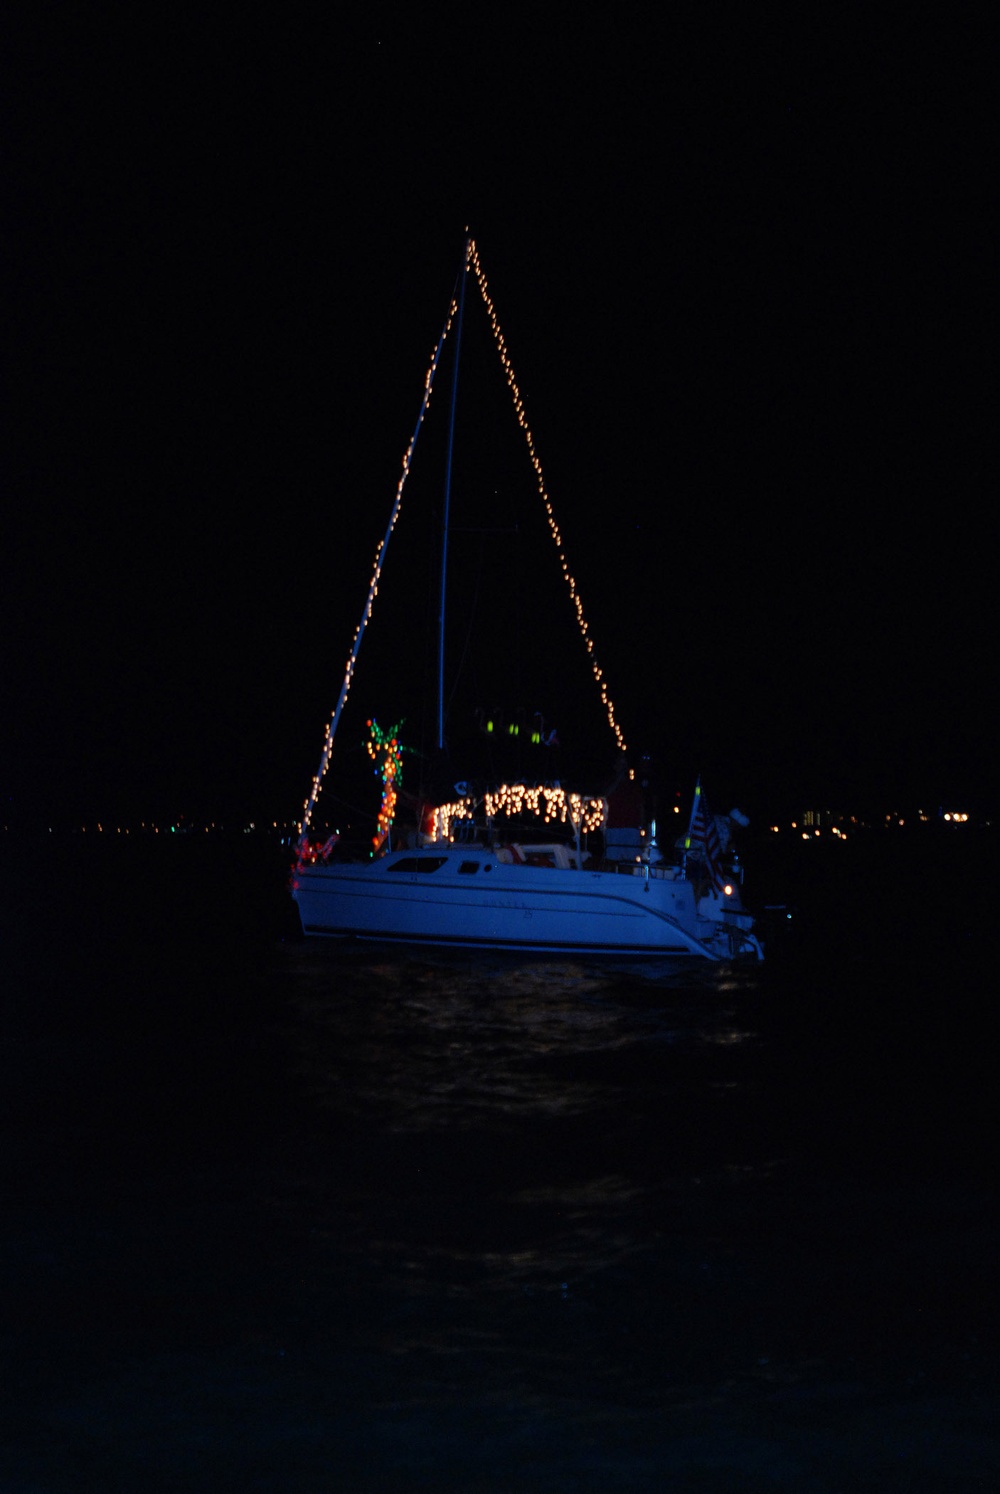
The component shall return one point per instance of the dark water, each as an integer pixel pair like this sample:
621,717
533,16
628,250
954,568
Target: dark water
276,1217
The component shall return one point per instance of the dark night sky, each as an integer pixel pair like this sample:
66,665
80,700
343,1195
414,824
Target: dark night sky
745,275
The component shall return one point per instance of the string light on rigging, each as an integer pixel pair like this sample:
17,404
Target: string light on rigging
317,781
522,420
574,806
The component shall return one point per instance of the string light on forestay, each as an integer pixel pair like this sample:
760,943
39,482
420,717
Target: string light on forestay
320,774
522,421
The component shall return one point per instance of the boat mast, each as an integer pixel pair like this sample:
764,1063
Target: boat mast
447,493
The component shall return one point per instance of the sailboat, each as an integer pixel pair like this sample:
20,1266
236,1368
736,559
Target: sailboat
531,867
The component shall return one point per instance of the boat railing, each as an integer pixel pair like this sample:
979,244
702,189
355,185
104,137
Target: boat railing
658,872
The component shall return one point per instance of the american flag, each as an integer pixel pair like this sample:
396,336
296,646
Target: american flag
703,841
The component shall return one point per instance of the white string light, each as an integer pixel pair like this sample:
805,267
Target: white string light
522,421
317,782
442,817
551,803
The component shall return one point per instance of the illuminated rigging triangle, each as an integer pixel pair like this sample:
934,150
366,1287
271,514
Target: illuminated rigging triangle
471,262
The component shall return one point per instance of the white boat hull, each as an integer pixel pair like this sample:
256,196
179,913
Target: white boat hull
466,897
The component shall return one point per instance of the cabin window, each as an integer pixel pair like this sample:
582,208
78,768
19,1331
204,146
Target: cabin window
469,867
418,864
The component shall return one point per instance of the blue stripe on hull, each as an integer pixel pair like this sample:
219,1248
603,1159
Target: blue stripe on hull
538,946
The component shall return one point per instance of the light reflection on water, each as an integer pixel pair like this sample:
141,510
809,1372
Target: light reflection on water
564,1225
485,1143
422,1045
